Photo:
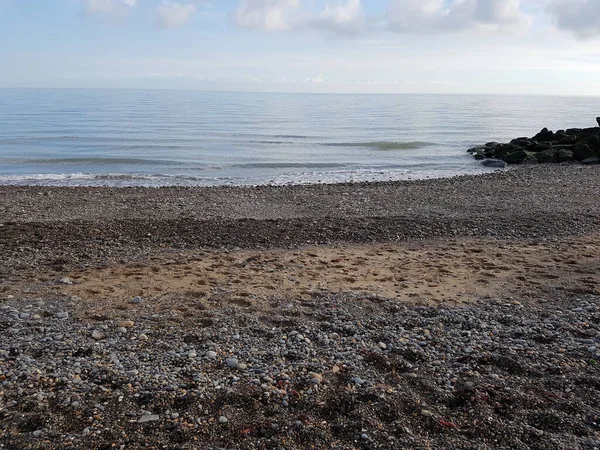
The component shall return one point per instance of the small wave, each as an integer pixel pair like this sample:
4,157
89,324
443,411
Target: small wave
288,165
94,161
293,136
382,145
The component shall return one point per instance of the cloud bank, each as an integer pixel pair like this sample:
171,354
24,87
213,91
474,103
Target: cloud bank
172,14
434,16
109,7
581,17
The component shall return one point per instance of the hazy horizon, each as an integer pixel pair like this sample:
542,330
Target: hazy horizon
540,47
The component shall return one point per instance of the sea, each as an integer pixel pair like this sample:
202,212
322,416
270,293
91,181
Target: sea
106,137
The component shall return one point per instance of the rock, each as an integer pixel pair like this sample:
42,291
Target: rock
382,346
364,436
544,135
583,151
565,155
125,323
516,157
97,335
426,413
148,418
588,161
137,300
231,362
548,156
122,330
223,420
497,163
65,280
598,120
37,433
62,315
210,354
192,354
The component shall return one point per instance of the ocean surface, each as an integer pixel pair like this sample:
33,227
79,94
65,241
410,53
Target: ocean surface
157,138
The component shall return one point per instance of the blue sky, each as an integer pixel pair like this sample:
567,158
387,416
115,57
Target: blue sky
437,46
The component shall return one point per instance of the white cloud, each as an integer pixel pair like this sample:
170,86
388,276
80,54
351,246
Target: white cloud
267,15
345,18
434,15
109,7
173,14
581,17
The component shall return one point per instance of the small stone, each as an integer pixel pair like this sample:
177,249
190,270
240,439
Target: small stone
37,433
223,420
122,330
143,337
62,315
192,354
357,380
97,335
241,366
136,300
364,436
125,323
382,345
316,378
65,280
426,413
231,362
149,418
210,354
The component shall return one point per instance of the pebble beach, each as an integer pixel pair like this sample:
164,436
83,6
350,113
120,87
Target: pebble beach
447,313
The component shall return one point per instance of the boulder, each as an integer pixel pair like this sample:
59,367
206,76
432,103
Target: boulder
496,163
548,156
568,140
515,157
583,151
598,120
544,135
565,155
594,143
540,146
522,142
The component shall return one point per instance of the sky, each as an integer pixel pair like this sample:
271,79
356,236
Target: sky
334,46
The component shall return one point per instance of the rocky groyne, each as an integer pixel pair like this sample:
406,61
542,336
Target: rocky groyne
574,144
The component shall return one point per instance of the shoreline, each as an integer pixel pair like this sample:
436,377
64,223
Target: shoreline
446,313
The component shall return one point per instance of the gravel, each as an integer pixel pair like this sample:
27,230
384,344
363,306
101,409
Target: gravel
492,375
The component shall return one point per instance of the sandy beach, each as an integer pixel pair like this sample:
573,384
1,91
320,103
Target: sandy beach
449,313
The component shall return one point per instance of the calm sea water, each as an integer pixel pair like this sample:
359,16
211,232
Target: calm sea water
153,138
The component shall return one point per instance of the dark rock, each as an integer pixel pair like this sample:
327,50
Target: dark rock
548,156
541,146
589,161
568,140
594,143
522,142
598,120
515,157
583,151
544,135
479,157
565,155
498,163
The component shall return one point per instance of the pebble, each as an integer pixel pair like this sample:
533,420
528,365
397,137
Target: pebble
231,362
65,280
148,418
210,354
364,436
97,335
125,324
37,433
62,315
192,354
136,300
122,330
223,420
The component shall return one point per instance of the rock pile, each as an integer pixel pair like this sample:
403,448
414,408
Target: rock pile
575,144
